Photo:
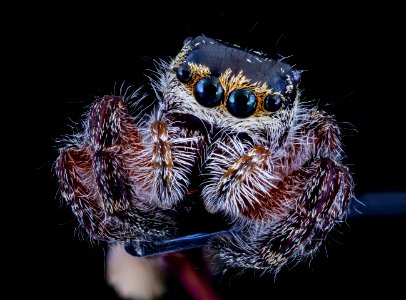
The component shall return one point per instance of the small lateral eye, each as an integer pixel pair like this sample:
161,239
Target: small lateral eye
209,92
273,103
242,103
183,73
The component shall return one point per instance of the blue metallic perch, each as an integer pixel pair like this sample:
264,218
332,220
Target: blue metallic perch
374,204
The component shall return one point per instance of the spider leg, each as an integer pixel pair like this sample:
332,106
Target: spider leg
73,168
105,137
311,180
322,189
96,184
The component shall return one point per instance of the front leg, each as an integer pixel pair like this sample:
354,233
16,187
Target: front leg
96,177
285,200
321,192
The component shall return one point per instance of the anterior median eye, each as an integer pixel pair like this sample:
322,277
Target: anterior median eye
242,103
209,92
273,103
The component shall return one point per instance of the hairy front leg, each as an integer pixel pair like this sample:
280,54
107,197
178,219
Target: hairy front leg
321,190
95,177
285,200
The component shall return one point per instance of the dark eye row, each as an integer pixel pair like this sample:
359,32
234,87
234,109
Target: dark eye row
241,103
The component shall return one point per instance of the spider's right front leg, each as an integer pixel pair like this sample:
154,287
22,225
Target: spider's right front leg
98,177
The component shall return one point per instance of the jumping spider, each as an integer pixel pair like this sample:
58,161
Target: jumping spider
227,130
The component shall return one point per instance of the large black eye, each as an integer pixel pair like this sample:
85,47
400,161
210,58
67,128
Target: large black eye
209,92
242,103
273,103
183,73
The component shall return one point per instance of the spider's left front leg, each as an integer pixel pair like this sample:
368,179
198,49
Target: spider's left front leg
285,209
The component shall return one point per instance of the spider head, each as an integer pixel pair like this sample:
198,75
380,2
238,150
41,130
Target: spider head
229,87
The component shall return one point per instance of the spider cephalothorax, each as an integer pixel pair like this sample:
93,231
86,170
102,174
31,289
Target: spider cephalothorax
228,130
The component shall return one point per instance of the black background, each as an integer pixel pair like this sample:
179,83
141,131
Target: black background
65,56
